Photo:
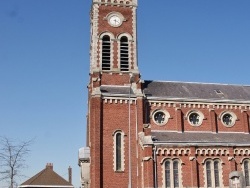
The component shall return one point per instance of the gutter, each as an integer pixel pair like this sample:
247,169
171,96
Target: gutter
234,101
56,186
199,144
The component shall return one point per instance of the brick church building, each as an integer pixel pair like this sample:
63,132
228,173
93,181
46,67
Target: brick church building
145,133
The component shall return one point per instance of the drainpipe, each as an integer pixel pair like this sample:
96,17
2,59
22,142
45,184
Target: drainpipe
131,79
155,167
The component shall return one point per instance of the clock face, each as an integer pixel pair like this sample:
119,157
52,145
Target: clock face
115,21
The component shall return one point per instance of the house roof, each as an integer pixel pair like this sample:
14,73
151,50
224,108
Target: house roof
196,91
47,178
200,138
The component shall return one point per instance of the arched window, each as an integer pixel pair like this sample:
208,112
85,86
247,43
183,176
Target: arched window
213,173
208,171
124,54
106,52
167,174
176,173
216,174
172,173
246,167
118,151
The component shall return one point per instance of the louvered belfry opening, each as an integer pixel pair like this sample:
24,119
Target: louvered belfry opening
124,54
106,51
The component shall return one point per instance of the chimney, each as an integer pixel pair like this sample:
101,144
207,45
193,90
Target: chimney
49,166
70,174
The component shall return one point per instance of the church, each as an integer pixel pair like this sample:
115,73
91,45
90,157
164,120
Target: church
149,134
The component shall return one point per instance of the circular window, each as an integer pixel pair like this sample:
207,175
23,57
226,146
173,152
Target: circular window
195,118
228,119
160,117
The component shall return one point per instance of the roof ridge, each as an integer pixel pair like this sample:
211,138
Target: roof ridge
57,179
208,83
33,178
59,176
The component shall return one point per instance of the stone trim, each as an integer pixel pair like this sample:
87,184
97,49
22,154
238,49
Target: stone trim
119,101
116,2
144,141
134,64
173,151
212,152
198,105
94,44
243,159
166,117
242,152
234,118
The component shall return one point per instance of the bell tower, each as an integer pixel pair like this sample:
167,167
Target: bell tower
115,97
113,41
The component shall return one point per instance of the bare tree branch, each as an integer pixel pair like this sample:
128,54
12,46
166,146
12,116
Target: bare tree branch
12,159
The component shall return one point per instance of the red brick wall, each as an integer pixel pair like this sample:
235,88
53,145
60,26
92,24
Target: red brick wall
125,27
211,121
192,171
114,116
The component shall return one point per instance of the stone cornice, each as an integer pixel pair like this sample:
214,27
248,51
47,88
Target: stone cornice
199,105
117,2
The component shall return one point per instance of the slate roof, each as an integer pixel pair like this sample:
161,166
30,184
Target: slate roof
200,138
185,91
47,178
116,90
196,91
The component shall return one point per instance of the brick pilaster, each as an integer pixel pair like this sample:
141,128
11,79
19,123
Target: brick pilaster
194,171
245,121
213,121
148,167
231,159
96,140
179,121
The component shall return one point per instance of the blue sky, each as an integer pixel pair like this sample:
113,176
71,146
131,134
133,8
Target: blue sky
44,64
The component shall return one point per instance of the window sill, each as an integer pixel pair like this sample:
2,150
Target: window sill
119,171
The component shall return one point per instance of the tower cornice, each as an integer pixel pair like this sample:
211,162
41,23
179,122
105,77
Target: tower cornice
117,2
